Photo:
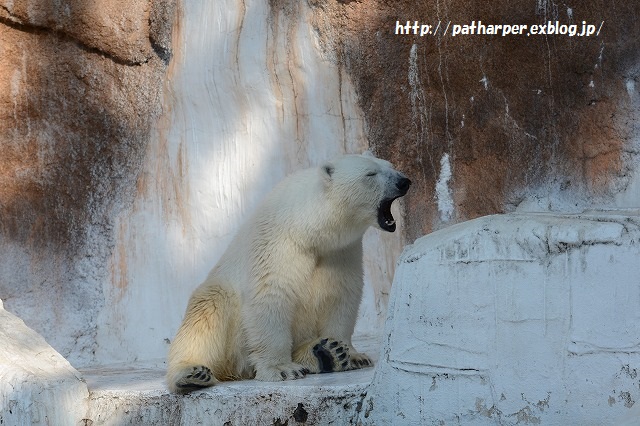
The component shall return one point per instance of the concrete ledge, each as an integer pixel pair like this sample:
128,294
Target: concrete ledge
120,397
38,386
125,395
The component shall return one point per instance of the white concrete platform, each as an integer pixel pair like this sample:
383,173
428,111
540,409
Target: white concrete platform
515,319
37,385
138,395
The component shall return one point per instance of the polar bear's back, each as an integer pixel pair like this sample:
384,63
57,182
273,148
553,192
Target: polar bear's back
286,212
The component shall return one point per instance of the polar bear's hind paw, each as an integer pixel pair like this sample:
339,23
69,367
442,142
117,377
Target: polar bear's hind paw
197,378
332,355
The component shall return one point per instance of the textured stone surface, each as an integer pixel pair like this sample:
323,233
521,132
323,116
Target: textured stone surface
37,385
125,31
518,117
125,395
514,319
80,89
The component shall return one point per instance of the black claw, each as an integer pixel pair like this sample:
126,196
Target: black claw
324,341
305,371
340,350
333,344
341,357
344,364
284,375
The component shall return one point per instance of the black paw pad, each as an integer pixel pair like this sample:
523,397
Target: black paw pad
325,359
202,374
332,355
198,378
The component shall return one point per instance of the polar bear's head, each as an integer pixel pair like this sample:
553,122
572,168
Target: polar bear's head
364,187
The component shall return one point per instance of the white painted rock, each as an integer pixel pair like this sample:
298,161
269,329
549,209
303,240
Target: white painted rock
514,319
37,385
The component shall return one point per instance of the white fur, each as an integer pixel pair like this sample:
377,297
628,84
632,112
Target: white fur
291,277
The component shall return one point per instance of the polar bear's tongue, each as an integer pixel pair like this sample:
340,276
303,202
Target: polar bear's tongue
385,218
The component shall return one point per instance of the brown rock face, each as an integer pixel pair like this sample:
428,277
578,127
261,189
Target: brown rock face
513,113
127,32
80,88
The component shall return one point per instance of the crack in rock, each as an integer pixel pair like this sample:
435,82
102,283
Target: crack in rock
16,22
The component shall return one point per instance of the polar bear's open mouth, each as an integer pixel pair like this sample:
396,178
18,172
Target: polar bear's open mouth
385,218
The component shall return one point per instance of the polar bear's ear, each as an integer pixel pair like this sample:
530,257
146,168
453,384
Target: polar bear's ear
327,171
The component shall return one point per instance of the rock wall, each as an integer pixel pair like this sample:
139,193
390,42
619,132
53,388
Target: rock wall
80,92
485,123
136,136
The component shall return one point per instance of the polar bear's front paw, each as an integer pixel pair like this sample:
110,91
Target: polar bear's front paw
289,371
332,355
195,378
359,360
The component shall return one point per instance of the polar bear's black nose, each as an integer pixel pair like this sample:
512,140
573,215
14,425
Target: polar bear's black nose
403,184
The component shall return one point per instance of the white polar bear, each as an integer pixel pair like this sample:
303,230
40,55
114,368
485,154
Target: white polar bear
283,299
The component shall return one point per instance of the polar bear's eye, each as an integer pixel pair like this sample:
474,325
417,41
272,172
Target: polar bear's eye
372,173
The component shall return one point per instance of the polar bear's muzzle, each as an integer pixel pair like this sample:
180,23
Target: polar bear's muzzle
386,220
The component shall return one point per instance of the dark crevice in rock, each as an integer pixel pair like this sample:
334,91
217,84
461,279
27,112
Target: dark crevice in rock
16,23
161,20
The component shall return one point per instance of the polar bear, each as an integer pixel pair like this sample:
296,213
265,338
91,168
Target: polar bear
283,299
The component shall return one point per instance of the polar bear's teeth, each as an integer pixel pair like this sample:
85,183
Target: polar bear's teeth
389,222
